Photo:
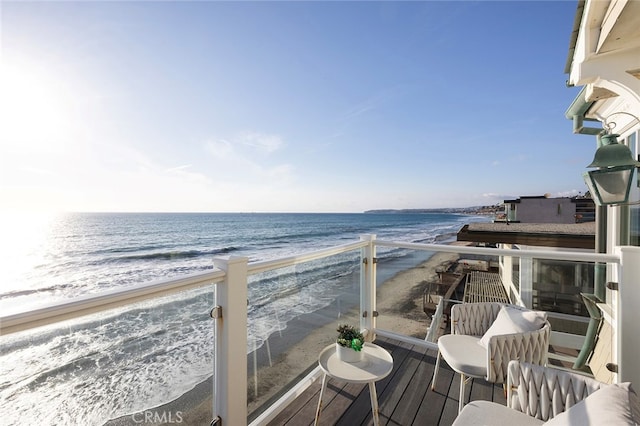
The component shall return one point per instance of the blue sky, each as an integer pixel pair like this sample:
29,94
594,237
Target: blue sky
285,106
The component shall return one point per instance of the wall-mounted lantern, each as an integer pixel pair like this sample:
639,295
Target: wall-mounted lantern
610,183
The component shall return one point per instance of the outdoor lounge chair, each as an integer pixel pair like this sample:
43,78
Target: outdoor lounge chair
537,394
486,336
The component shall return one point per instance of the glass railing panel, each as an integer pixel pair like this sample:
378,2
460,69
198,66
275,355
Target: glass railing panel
557,285
564,351
572,324
137,364
515,272
404,303
293,313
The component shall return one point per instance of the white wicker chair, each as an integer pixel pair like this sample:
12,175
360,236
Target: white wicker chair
469,322
535,394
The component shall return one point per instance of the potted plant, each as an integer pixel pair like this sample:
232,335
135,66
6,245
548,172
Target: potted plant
349,343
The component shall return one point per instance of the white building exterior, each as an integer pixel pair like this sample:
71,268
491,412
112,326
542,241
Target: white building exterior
543,209
604,59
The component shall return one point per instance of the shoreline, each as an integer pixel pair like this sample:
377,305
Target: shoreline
295,350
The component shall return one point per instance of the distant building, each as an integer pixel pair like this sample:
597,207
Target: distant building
543,209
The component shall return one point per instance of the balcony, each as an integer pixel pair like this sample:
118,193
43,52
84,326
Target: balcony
249,341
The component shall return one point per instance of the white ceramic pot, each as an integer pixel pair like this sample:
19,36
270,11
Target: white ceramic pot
348,355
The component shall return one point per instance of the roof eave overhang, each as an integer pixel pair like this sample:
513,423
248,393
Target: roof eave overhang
525,238
574,36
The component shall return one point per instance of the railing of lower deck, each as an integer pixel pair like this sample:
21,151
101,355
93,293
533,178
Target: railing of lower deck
231,346
570,340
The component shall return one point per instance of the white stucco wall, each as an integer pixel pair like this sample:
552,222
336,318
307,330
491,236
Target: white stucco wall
546,210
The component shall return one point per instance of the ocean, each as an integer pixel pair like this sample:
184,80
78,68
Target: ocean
156,351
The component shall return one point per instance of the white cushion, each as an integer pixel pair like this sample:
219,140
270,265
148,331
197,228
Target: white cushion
485,413
610,405
463,354
511,320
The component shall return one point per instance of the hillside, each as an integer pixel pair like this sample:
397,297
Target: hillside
481,210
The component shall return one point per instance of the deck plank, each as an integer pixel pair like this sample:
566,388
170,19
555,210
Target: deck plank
407,406
434,401
360,412
396,389
481,390
343,402
296,405
297,412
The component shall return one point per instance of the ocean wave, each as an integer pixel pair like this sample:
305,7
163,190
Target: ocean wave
147,349
445,237
32,291
166,255
131,249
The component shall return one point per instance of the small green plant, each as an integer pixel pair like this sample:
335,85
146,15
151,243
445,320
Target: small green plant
350,337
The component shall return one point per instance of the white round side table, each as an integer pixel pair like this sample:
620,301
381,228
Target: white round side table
376,364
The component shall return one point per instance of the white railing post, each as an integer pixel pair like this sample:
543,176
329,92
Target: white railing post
506,272
526,281
628,301
230,375
368,286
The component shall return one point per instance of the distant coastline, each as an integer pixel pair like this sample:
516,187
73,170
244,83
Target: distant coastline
477,210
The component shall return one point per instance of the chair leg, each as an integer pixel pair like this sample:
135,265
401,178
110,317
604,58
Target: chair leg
435,372
463,382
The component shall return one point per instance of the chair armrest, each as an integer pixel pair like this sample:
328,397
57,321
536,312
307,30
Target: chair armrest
544,392
473,319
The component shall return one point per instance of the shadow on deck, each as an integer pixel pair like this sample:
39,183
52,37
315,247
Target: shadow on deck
405,396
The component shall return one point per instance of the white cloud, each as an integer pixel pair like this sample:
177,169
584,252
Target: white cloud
372,103
283,171
243,159
494,195
180,173
178,168
569,194
360,109
494,198
268,143
36,170
220,149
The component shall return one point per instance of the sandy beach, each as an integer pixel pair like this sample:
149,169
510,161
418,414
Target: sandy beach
294,352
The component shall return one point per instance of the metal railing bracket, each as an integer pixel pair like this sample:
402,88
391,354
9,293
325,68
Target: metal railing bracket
216,312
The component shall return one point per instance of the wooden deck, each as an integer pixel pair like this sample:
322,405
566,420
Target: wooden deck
405,396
